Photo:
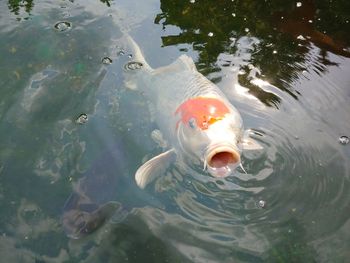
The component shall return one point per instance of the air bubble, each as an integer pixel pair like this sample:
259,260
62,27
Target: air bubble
188,182
344,140
63,26
262,204
107,61
133,65
82,119
121,52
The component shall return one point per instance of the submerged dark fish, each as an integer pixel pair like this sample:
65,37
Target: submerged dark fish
79,222
92,202
300,23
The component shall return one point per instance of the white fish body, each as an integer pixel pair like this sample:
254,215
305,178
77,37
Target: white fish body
194,116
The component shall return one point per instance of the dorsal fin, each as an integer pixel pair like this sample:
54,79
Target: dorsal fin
184,62
187,62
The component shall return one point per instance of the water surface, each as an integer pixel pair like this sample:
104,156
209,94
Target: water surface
66,114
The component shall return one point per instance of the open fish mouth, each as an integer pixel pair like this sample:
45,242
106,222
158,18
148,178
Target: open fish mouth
221,160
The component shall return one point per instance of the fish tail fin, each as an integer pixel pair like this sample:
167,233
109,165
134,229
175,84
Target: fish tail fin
135,51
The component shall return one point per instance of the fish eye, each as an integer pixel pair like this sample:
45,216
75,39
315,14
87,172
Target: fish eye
192,123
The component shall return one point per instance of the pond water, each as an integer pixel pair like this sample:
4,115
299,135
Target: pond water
68,121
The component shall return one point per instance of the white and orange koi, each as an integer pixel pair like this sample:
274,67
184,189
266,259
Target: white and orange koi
196,119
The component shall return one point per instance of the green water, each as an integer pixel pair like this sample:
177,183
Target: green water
285,66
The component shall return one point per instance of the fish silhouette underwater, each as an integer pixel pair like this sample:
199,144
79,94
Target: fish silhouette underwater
92,201
102,194
194,117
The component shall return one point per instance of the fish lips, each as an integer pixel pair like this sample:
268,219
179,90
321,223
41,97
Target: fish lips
222,159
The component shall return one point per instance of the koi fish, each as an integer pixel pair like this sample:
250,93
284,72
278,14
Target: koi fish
198,122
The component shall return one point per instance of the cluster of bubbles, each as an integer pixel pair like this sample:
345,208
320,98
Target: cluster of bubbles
129,66
62,26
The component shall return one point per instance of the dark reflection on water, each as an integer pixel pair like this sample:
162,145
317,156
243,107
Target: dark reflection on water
285,34
287,76
16,5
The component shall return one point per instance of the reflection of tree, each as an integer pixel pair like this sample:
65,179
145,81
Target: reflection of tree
16,5
285,33
276,23
107,2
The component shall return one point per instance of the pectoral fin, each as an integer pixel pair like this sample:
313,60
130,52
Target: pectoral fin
154,168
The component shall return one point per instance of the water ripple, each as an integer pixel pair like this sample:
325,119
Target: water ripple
300,177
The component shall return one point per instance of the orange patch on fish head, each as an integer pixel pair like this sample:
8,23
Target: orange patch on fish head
201,112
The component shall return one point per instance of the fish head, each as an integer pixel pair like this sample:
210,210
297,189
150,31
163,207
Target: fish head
222,154
211,130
